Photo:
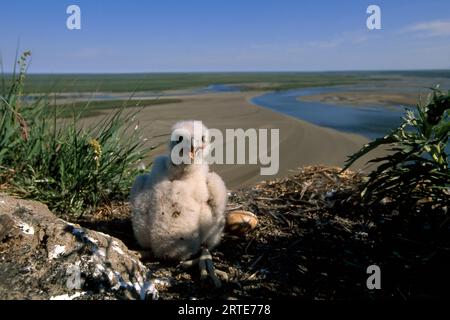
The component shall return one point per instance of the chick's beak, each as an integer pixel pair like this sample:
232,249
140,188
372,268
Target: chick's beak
192,152
195,147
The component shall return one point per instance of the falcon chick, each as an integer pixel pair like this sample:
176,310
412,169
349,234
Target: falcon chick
178,208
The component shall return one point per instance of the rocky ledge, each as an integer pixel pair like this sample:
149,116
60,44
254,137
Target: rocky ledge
45,257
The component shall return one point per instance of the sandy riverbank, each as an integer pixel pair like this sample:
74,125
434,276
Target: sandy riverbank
301,143
364,98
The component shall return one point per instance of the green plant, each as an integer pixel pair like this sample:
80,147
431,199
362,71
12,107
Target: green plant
11,121
416,166
62,163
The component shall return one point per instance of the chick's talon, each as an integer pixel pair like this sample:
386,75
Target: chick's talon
206,267
187,264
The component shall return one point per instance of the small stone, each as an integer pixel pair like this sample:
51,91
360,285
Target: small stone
240,222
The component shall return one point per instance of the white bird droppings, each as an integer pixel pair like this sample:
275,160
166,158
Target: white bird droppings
116,248
67,297
101,252
92,239
26,228
147,289
57,251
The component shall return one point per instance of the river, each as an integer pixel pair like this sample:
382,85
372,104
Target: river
369,121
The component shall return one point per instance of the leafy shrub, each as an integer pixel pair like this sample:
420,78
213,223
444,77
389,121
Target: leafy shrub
415,170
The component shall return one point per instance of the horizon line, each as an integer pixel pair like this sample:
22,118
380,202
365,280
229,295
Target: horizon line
233,71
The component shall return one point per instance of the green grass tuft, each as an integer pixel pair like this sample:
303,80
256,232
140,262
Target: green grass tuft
70,168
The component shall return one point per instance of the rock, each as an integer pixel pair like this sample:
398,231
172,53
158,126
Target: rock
240,222
44,257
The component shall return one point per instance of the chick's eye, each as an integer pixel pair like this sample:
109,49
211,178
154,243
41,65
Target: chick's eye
180,138
203,139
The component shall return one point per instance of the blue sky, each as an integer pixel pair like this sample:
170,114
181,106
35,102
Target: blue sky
199,35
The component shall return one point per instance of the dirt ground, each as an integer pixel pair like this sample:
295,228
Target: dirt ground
312,242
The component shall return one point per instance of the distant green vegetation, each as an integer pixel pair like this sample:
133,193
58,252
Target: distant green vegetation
45,83
94,107
414,73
